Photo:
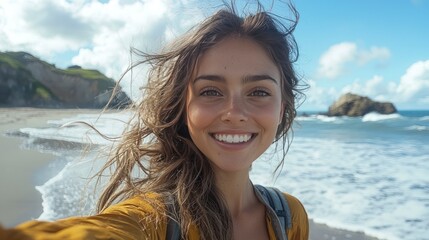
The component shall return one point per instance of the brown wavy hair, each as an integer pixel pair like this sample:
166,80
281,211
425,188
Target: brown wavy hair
157,142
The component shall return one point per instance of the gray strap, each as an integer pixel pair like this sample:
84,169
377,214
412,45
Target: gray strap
173,227
173,230
272,196
278,203
282,208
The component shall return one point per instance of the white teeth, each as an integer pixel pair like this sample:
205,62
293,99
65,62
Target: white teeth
233,138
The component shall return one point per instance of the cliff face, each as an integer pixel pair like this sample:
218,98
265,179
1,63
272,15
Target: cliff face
28,81
353,105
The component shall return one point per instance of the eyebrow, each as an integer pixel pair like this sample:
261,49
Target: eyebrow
246,79
254,78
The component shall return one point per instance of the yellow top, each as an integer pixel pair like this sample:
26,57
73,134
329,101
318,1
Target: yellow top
132,219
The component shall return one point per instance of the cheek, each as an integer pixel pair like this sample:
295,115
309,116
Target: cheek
197,117
269,120
270,115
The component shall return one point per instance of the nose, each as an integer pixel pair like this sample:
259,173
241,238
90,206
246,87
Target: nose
235,110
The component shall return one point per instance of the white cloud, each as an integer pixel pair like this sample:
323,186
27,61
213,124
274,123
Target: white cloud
42,27
373,88
334,62
318,97
414,84
100,33
374,53
411,91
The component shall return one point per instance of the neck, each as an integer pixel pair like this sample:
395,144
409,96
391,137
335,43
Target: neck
237,191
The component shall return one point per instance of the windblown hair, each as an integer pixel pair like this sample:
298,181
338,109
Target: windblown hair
157,142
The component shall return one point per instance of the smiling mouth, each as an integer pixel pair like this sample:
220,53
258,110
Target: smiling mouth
233,138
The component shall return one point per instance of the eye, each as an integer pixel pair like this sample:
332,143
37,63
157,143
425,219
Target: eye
210,92
260,92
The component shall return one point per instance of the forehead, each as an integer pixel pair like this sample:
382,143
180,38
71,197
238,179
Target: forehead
236,56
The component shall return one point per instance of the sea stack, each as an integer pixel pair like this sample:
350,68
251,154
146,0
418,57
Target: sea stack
353,105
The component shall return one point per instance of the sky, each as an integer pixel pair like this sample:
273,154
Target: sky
375,48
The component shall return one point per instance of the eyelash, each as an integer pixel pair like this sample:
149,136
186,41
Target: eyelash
260,92
210,92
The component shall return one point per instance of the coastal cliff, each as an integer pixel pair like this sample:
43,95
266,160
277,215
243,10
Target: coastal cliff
26,81
353,105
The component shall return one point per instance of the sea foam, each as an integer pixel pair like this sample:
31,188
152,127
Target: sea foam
374,116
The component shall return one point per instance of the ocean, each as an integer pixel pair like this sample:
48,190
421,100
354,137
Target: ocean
367,174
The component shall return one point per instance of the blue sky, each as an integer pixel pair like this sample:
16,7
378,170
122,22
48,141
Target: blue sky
376,48
400,28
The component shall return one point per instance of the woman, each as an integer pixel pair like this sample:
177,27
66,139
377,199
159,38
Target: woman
215,101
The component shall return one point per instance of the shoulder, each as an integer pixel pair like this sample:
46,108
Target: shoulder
295,205
147,203
300,225
145,209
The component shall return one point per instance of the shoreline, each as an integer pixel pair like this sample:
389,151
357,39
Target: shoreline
20,201
321,231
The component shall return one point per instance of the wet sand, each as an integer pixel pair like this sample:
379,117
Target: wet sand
19,200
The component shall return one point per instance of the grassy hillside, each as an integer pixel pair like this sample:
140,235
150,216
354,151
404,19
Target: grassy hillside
104,83
17,81
10,61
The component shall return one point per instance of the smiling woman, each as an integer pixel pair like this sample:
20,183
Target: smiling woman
234,104
215,101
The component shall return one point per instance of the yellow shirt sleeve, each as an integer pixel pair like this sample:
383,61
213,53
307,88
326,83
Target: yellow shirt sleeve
132,219
300,225
135,218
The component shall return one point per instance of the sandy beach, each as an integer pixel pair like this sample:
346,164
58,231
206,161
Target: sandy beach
20,201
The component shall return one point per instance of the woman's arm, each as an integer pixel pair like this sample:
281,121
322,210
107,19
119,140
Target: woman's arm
132,219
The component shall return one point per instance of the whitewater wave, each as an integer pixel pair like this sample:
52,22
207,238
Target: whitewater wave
417,128
325,118
322,118
77,130
374,117
70,192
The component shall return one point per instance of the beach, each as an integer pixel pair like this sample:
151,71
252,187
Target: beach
20,201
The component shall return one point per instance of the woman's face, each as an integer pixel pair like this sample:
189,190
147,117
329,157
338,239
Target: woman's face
234,104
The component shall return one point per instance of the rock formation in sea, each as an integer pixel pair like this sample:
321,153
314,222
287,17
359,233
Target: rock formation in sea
26,81
353,105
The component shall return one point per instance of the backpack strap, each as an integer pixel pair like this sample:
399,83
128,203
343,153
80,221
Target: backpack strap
272,196
277,201
173,228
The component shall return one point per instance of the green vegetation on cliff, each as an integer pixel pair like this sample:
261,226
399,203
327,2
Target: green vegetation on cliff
17,83
9,60
29,81
103,81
